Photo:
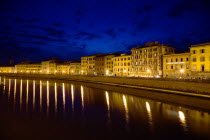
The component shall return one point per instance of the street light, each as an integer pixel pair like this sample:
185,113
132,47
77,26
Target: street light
124,72
148,71
181,71
107,72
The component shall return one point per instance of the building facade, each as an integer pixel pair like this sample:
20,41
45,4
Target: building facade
148,60
75,68
122,65
200,60
88,64
176,65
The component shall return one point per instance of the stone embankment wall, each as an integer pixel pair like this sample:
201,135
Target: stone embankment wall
193,86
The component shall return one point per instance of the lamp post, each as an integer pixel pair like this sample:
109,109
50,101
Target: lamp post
148,71
181,71
107,72
124,72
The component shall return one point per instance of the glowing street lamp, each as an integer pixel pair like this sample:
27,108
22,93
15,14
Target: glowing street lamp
148,71
82,72
107,72
181,71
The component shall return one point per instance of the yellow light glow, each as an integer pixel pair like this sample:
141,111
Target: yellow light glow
181,116
124,71
148,106
56,94
181,70
148,71
64,95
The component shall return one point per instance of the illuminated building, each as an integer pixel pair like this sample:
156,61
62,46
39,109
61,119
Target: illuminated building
75,68
63,67
88,64
22,67
122,65
147,60
176,65
104,64
33,68
200,60
7,69
49,67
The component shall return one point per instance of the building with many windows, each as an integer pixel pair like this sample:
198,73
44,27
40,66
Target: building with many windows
104,64
176,65
200,60
75,68
88,64
148,60
122,65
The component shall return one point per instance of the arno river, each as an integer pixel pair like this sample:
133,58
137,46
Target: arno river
44,109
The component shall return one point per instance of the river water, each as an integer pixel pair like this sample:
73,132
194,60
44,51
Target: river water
44,109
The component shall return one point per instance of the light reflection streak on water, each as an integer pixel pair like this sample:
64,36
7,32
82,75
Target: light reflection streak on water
182,120
64,96
82,97
40,98
56,101
48,102
27,90
72,96
126,109
15,86
108,105
149,115
4,85
9,88
34,94
21,93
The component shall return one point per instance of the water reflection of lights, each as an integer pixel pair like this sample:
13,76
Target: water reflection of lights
56,101
9,88
4,86
82,96
64,97
48,101
72,97
108,105
149,114
182,120
40,98
15,86
21,92
34,94
148,107
27,90
126,109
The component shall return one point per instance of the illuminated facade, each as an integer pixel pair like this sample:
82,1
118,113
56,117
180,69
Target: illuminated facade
147,60
49,67
176,65
75,68
63,68
122,65
200,60
7,69
33,68
21,67
88,64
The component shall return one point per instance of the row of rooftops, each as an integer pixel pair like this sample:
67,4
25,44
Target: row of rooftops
150,44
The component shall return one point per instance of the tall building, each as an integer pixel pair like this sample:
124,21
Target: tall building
88,64
22,67
33,68
176,65
63,67
75,68
49,67
200,60
122,65
148,60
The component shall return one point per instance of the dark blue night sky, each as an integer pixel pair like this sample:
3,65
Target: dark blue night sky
38,30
